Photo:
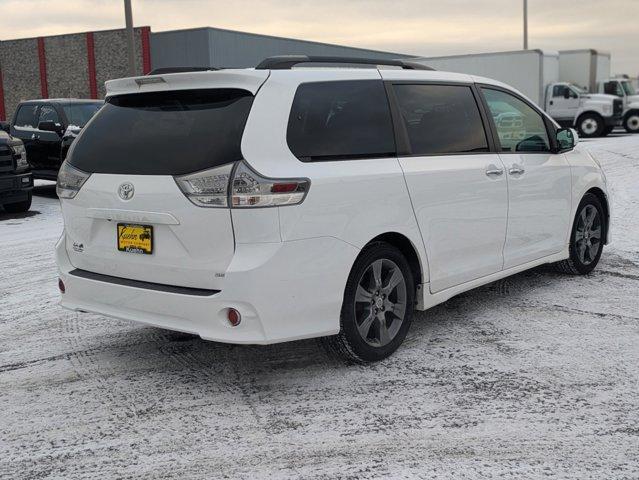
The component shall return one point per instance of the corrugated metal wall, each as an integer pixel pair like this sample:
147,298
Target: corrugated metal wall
214,47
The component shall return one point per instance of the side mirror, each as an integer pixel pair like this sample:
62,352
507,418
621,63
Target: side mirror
567,139
50,126
4,126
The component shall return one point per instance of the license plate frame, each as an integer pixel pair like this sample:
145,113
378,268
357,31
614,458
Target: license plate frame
139,239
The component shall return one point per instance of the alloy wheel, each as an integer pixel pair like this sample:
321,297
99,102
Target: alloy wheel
380,302
588,234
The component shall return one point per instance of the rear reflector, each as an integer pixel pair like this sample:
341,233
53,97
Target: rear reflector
234,317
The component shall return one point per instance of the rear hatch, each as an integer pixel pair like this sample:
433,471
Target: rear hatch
130,218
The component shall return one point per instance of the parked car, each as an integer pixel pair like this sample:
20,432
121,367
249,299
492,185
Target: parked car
285,203
47,129
16,181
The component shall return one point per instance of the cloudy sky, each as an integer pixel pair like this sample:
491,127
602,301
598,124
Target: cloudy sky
422,27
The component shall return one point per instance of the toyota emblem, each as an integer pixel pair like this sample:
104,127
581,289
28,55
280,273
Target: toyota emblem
126,191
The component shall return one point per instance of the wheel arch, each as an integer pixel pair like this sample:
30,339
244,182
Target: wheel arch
408,249
632,111
588,112
599,193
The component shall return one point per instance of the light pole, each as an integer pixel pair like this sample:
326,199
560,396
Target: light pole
130,40
525,24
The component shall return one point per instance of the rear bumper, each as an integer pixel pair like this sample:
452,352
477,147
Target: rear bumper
15,188
284,291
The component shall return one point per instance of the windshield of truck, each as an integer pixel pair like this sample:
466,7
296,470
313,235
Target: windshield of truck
79,114
628,88
164,133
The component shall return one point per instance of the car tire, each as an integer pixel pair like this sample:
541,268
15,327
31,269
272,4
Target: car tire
378,306
584,253
590,125
631,122
19,207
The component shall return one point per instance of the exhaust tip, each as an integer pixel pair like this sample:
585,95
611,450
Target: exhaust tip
233,317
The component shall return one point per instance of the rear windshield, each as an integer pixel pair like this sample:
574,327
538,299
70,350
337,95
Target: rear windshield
164,133
79,114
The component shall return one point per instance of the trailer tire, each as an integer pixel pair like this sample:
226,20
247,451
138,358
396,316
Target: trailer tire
631,121
590,125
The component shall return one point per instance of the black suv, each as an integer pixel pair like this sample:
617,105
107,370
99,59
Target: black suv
16,181
48,127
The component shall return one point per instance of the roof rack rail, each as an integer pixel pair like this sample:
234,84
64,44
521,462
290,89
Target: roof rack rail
286,62
165,70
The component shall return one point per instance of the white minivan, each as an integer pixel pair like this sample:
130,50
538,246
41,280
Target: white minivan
315,197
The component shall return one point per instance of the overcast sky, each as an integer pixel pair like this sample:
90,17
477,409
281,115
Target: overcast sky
421,27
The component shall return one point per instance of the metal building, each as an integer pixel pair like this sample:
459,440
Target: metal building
78,64
216,47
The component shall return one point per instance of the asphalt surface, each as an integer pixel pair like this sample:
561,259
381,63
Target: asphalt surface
535,376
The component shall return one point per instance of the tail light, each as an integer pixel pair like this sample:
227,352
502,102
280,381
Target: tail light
208,188
70,181
248,188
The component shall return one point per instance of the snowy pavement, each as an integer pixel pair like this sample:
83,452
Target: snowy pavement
533,376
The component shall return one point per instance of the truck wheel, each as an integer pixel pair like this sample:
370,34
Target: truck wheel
378,306
19,207
590,125
631,122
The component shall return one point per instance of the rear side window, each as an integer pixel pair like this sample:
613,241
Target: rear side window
48,114
441,119
26,116
79,114
164,133
340,120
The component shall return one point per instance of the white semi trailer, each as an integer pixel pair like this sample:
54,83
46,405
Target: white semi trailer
590,69
586,68
535,73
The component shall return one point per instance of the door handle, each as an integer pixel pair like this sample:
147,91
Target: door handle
516,170
494,172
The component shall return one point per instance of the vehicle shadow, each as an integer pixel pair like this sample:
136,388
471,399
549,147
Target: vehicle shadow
17,216
188,363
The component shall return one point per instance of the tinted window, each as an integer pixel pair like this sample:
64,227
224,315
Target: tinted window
520,127
441,119
79,114
164,133
48,114
26,116
340,120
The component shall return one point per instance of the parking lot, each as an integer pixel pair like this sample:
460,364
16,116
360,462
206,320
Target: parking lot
535,375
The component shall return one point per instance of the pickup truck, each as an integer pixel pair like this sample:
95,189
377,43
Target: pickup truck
16,182
48,127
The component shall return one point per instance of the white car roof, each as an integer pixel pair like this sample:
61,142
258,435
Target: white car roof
251,79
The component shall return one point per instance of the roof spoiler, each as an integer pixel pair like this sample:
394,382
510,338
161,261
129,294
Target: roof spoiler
286,62
165,70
